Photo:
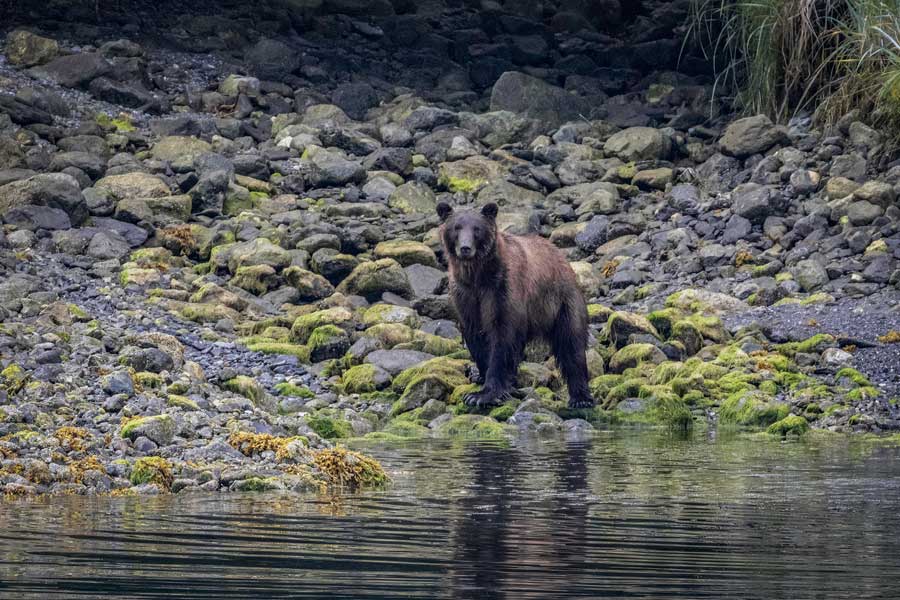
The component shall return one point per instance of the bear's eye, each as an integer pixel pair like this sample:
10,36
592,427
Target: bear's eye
457,227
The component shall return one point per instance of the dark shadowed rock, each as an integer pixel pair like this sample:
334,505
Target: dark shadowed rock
271,59
532,97
75,70
56,190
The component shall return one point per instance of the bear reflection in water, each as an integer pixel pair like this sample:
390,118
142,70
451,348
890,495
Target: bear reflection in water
498,534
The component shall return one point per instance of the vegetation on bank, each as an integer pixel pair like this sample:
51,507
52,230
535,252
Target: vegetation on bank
785,57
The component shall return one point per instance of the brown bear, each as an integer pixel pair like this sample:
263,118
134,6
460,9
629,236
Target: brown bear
508,290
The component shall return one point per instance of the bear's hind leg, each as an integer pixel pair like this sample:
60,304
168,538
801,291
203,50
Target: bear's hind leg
569,343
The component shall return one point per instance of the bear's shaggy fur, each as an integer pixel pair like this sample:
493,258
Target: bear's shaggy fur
508,290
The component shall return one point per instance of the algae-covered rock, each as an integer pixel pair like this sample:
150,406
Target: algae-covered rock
365,378
256,279
413,197
752,408
329,427
311,286
304,325
472,427
372,279
622,325
790,425
634,355
693,300
180,151
159,428
260,251
389,313
406,252
152,469
247,387
327,342
470,174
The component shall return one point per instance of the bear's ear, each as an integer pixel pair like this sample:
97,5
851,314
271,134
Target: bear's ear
444,210
490,211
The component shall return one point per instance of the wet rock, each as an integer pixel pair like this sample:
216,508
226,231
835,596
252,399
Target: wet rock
272,59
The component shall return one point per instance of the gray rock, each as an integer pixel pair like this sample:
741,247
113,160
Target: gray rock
74,70
751,135
810,274
395,361
272,60
752,201
529,96
56,190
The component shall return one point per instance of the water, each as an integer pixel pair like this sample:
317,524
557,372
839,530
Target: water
625,515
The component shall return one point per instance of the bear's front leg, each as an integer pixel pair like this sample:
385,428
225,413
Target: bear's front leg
496,380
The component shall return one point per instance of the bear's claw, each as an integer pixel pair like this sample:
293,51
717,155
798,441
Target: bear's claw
581,403
484,400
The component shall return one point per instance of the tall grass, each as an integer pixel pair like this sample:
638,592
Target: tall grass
785,57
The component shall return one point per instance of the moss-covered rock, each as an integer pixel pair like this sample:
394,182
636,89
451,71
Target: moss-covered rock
304,325
152,469
208,313
158,428
472,427
790,425
621,325
365,378
271,347
816,343
311,286
327,342
389,313
406,252
391,334
247,387
751,408
329,427
256,279
635,354
372,279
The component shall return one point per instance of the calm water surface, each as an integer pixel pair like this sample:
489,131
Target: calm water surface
624,515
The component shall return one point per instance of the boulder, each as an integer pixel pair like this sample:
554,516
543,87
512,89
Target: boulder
56,190
532,97
639,143
74,70
25,49
751,135
272,60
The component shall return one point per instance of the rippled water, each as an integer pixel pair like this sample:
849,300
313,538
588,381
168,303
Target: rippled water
636,515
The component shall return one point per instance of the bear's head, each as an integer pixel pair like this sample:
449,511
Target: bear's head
468,234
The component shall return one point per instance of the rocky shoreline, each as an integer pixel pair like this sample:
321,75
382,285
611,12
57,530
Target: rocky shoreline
219,265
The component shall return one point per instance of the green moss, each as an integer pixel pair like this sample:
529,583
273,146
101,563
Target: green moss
120,124
304,325
258,484
300,351
207,313
751,408
816,343
13,378
472,427
145,380
597,313
452,372
182,402
328,427
152,469
790,425
853,375
359,379
862,393
623,391
406,429
461,184
247,387
502,413
129,429
391,334
296,391
663,320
